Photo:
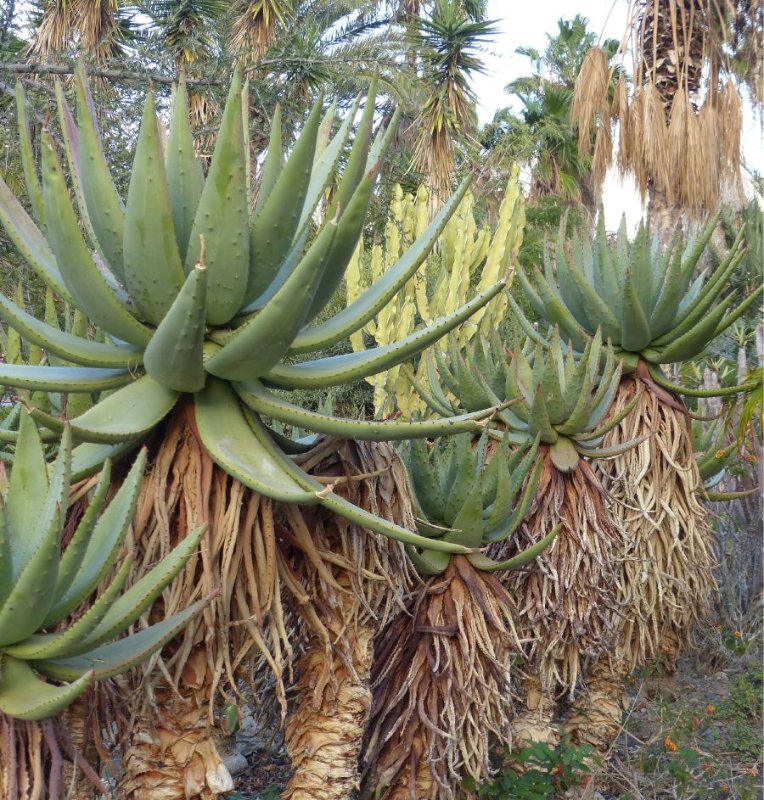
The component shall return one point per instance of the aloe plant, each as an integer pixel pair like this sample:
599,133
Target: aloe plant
198,297
442,672
40,585
649,300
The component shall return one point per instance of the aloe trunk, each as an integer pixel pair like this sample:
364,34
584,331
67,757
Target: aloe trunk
666,580
441,687
170,750
354,584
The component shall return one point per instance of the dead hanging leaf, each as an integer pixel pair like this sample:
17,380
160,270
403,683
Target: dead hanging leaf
666,582
438,696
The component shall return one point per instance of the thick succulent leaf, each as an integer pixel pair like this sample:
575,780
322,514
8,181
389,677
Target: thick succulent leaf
461,481
635,327
486,564
378,295
84,352
174,357
75,550
63,379
221,219
30,242
100,205
103,545
120,656
689,391
272,166
89,458
336,370
34,191
338,505
87,285
564,455
357,162
275,224
129,413
693,341
29,601
467,524
66,641
126,608
185,179
27,491
424,483
351,224
263,401
427,562
24,696
6,565
152,265
230,442
264,340
325,162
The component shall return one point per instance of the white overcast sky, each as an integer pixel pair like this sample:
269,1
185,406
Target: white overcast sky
525,24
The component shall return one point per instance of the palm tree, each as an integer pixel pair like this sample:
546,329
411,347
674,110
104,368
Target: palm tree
541,135
679,128
447,43
95,27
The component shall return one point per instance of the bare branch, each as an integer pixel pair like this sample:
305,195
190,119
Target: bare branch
99,72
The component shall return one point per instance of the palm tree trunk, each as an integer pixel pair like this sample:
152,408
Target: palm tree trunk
349,581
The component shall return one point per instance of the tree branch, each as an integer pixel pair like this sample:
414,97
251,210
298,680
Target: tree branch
98,72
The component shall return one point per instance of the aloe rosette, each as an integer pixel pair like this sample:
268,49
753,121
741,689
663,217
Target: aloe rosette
442,667
461,495
40,585
649,300
200,298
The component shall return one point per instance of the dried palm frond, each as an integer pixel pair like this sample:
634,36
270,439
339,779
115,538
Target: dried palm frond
254,25
567,606
590,109
625,136
731,116
441,687
54,32
98,28
346,583
666,582
92,25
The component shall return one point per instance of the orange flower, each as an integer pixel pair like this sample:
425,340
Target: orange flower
710,709
670,745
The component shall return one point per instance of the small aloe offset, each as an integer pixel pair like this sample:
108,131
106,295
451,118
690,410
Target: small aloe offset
201,293
461,495
647,299
40,585
714,454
